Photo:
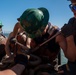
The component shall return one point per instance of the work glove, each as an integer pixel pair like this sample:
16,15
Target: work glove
21,59
67,30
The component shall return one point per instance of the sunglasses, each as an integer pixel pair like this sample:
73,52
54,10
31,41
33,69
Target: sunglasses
72,7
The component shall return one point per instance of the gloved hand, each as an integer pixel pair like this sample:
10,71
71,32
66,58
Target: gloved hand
21,59
67,30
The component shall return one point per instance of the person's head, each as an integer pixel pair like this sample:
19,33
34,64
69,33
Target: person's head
1,25
72,1
34,21
73,6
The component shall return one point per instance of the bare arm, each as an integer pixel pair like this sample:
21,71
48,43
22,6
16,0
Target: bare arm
62,42
17,28
7,49
15,70
68,46
21,61
71,47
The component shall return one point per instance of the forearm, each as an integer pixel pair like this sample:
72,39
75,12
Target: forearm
70,43
7,50
71,48
16,70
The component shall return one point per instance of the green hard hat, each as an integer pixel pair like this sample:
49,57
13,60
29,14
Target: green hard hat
1,23
37,20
